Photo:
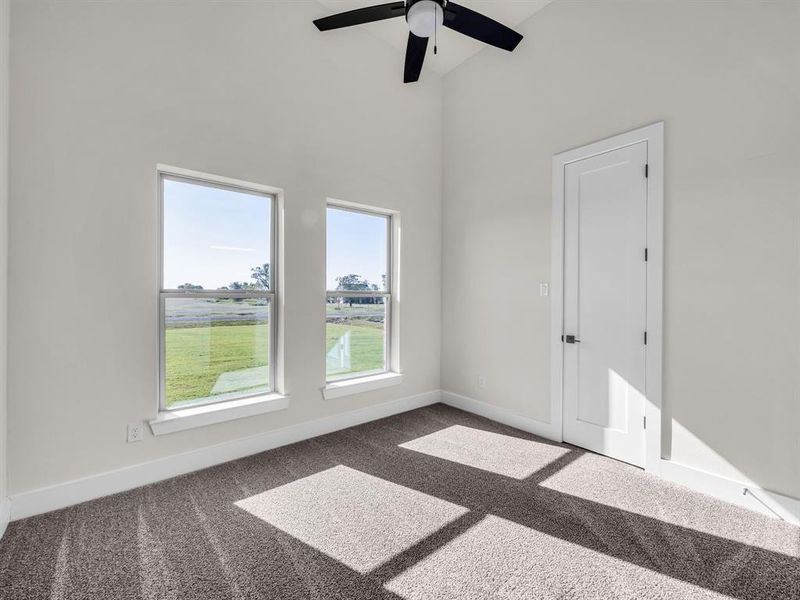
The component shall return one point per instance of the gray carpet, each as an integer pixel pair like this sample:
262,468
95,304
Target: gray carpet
431,504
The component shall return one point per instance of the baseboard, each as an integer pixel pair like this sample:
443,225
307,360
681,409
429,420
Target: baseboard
742,493
501,415
755,498
4,515
73,492
111,482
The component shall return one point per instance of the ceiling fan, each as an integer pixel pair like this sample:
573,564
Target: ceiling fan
424,17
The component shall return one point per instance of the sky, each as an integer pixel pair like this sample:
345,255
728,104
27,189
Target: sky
356,245
213,237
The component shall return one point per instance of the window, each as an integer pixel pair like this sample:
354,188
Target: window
359,296
218,286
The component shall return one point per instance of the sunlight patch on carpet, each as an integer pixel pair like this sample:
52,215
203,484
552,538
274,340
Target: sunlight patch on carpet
360,520
500,559
600,481
493,452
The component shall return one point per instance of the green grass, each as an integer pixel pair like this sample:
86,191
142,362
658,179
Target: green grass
366,344
197,356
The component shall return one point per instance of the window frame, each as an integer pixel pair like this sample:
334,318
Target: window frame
388,295
274,195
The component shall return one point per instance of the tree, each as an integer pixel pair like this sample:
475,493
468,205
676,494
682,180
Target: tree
355,283
261,276
352,283
190,286
241,286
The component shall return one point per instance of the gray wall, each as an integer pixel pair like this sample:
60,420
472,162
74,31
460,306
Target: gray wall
4,51
101,92
724,78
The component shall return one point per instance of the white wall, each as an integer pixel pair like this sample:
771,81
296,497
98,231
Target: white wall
4,52
101,92
724,78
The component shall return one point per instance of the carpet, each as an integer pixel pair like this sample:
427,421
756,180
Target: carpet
431,504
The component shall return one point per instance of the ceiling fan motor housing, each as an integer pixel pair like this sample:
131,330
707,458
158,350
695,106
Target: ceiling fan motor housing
425,16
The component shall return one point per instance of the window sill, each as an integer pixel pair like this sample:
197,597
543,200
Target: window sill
339,389
200,416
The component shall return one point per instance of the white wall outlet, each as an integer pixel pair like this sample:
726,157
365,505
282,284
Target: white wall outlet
135,432
482,381
544,289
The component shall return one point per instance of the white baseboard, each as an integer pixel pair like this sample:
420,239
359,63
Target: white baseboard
74,492
111,482
756,498
501,415
745,494
4,515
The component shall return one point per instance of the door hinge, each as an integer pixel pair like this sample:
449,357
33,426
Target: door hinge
645,338
646,254
644,422
647,170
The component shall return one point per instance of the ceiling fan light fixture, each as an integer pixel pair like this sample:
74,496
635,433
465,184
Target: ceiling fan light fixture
424,17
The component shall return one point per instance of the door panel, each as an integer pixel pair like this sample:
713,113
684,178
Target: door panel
605,302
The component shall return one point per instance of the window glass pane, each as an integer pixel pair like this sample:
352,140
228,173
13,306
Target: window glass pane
355,336
215,348
357,252
215,238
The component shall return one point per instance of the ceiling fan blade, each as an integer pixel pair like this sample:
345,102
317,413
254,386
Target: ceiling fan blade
415,57
362,15
475,25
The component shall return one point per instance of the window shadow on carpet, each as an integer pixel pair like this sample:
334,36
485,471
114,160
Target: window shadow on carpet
387,522
581,539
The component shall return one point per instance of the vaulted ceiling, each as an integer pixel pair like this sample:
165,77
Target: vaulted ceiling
453,47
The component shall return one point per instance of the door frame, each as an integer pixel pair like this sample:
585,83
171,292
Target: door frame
653,135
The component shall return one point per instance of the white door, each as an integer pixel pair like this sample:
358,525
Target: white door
605,303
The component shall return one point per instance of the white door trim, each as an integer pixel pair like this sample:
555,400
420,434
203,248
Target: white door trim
654,136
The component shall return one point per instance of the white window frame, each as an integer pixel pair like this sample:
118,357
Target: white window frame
390,362
275,195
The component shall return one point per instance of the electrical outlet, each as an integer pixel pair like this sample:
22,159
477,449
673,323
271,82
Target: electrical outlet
544,289
482,381
135,432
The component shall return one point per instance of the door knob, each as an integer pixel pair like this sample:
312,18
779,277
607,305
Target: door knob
570,339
